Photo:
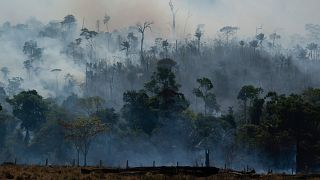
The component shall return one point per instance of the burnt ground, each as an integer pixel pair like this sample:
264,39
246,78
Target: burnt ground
19,172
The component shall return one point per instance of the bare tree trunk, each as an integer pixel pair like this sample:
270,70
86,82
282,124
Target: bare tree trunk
245,110
85,158
141,50
78,157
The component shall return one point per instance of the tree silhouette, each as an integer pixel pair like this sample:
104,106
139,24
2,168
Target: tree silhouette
81,132
141,29
198,35
260,37
312,47
106,20
229,31
174,13
125,46
165,45
248,93
274,37
254,45
68,21
30,108
204,91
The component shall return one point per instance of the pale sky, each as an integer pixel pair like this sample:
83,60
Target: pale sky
287,15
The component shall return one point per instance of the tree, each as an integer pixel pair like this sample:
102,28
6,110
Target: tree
229,31
69,21
31,49
141,29
30,108
133,40
33,53
254,45
167,99
106,20
198,35
248,93
312,47
49,141
165,45
174,13
90,105
297,118
89,36
274,37
138,112
125,46
107,116
204,91
260,37
81,133
242,43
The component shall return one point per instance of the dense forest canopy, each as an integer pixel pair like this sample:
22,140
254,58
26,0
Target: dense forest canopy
73,93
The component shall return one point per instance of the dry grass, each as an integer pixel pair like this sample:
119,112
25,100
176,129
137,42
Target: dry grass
73,173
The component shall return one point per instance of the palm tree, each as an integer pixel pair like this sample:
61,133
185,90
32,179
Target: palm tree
242,43
142,29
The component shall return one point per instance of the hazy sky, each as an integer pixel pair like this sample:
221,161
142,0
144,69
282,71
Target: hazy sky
288,15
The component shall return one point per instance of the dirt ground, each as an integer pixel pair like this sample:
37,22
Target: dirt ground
158,173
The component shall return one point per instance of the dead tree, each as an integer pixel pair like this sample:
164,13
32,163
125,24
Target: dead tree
174,13
207,161
141,29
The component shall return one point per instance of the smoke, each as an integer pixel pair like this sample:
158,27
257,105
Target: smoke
289,15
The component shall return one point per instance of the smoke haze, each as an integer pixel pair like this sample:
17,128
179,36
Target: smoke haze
288,15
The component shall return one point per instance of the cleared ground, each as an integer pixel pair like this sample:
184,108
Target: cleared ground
161,173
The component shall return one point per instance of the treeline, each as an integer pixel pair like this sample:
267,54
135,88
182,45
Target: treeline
281,130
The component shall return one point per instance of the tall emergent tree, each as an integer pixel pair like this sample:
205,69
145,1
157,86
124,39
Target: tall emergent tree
141,29
30,108
205,92
248,93
229,31
167,100
174,13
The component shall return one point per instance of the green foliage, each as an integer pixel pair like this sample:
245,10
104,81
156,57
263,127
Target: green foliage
81,132
30,108
138,112
107,116
250,93
205,92
145,112
90,105
282,124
